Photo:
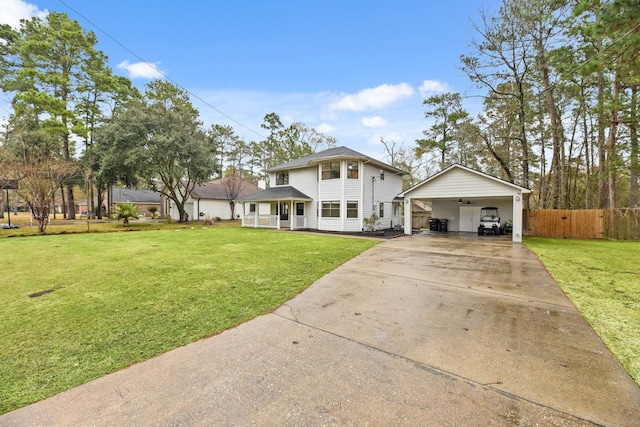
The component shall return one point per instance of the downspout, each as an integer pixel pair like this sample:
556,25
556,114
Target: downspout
373,194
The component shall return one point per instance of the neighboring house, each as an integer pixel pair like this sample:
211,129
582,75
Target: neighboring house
211,199
458,193
334,190
141,199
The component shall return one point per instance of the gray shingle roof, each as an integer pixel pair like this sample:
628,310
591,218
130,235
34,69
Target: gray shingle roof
331,153
133,195
275,193
215,190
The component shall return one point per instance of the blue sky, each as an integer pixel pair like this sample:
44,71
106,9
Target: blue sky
355,70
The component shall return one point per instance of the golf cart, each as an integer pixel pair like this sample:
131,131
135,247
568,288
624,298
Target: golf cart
489,221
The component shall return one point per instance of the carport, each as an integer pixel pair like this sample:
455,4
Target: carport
457,194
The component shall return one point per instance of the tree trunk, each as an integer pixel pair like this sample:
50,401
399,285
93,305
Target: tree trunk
524,143
71,204
611,145
64,203
587,153
109,201
71,211
603,194
556,167
634,168
99,198
544,203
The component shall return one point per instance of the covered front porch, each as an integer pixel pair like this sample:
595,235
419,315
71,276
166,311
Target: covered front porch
277,207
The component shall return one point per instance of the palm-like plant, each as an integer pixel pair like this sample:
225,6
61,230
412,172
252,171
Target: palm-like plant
125,212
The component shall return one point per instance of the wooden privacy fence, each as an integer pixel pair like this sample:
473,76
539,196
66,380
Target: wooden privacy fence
420,220
586,224
615,224
622,224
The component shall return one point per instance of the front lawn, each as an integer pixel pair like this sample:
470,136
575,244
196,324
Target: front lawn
77,307
28,227
602,278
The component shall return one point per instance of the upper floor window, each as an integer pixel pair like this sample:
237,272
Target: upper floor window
282,178
352,170
331,170
381,174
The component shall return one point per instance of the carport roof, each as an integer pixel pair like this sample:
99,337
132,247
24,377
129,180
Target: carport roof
275,193
454,166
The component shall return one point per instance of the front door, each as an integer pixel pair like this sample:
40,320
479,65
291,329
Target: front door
284,211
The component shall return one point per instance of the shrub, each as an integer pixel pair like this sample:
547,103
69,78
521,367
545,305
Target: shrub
371,223
125,212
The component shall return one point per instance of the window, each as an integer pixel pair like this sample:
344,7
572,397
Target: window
300,209
331,209
352,209
331,170
252,208
352,170
381,209
282,178
381,174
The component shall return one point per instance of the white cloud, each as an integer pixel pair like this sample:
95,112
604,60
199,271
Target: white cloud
326,128
430,87
374,122
143,70
373,98
12,11
405,120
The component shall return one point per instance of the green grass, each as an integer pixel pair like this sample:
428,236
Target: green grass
119,298
26,227
602,278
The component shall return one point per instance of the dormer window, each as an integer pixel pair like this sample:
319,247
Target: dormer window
352,170
282,178
331,170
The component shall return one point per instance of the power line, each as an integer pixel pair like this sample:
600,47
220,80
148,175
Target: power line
160,71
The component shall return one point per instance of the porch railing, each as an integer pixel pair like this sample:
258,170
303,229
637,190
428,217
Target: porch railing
299,222
261,221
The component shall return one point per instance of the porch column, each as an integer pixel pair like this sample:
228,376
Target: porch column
256,214
407,216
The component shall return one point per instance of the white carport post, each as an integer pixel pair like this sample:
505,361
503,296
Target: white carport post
517,217
407,215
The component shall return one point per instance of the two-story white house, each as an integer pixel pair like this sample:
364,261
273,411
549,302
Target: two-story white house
337,189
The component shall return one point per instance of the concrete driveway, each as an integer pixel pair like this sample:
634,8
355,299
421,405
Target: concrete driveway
418,331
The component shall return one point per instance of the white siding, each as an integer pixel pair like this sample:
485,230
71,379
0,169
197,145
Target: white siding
342,190
306,181
458,183
188,208
380,191
214,208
